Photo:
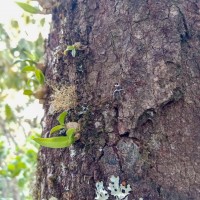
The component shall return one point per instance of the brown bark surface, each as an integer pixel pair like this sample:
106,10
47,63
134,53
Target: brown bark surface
149,133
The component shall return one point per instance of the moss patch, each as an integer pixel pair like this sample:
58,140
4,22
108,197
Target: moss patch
63,98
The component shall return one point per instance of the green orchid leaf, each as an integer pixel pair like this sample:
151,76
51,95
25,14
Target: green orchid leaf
54,142
61,118
56,128
28,8
70,135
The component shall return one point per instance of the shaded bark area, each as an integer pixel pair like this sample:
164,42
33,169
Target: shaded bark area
148,133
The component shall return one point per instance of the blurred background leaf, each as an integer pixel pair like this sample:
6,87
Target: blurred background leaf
22,36
28,8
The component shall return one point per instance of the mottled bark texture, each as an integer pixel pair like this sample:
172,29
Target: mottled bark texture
148,134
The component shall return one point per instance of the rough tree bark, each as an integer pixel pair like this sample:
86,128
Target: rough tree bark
149,134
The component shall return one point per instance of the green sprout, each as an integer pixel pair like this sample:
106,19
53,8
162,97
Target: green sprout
73,48
61,120
60,141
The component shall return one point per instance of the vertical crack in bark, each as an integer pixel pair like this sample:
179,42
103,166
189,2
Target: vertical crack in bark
186,35
116,108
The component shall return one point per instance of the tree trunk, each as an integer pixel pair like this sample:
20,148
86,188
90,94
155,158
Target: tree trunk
137,79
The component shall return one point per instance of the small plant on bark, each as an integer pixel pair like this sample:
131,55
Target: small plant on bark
71,129
72,48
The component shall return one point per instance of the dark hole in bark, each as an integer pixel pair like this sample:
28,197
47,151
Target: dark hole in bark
74,5
158,189
125,134
89,29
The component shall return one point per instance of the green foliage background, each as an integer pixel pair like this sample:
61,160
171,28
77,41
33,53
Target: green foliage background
19,57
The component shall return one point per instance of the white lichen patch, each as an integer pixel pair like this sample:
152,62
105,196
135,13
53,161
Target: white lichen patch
72,151
63,168
101,193
63,98
118,190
